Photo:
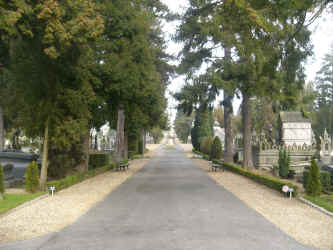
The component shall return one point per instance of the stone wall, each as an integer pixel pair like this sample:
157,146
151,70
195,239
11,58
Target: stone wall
267,159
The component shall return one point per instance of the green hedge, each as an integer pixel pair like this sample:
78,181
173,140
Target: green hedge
76,178
268,181
136,156
204,156
98,160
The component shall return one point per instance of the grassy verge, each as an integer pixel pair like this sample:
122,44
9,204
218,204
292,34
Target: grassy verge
13,200
170,147
322,201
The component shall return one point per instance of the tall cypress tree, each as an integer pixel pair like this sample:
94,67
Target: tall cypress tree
263,40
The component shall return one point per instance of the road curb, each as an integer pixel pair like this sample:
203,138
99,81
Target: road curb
323,210
25,204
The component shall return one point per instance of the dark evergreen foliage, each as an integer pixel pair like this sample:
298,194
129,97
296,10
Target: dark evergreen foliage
206,145
313,185
216,151
32,178
284,163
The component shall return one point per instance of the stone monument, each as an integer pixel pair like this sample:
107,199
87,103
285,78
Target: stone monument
326,152
295,136
295,129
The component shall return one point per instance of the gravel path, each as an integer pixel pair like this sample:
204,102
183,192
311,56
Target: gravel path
300,221
51,214
171,204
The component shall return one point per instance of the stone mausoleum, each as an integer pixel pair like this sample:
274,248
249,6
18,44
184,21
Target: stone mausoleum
295,135
295,129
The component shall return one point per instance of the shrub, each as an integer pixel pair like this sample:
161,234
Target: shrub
32,178
76,178
291,174
313,185
131,154
206,145
305,178
236,157
2,185
136,156
216,151
325,179
140,147
284,163
98,160
268,181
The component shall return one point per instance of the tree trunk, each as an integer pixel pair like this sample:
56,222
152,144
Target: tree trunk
84,165
228,113
2,131
96,142
144,139
120,134
126,146
143,142
43,174
247,147
228,140
91,142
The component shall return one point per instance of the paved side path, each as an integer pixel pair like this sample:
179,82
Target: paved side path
170,204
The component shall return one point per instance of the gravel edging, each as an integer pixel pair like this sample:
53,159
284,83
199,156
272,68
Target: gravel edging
51,214
321,209
23,205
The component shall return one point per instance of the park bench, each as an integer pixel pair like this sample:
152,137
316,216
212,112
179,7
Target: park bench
122,166
216,167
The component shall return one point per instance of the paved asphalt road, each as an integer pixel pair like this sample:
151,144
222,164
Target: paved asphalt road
170,204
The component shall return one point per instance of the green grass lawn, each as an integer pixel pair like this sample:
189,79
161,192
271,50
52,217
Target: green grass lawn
169,147
325,201
13,200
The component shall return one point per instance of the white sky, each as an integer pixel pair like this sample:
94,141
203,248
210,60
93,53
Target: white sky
322,38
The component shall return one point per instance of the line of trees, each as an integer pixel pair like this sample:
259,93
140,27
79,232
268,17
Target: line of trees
69,66
250,49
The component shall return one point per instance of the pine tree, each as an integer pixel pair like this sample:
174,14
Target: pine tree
50,44
206,145
324,84
183,125
269,43
31,178
313,185
284,163
216,151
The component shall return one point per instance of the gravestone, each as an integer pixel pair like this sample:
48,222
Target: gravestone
326,152
295,129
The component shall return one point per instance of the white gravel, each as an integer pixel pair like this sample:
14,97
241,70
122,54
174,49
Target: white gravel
51,214
302,222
